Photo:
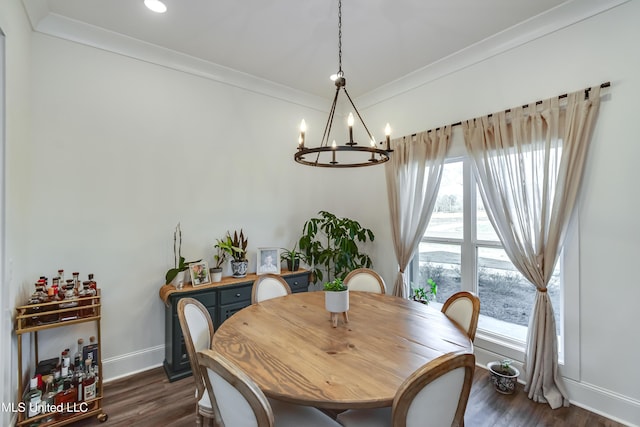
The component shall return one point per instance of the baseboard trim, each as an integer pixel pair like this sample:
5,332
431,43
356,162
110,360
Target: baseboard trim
604,402
607,403
132,363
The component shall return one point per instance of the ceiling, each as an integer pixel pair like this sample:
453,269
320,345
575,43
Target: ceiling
294,42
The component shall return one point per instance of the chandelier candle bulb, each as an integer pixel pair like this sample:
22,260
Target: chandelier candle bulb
303,129
373,145
350,124
333,152
387,133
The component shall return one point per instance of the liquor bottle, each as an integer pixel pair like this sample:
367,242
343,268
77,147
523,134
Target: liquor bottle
66,359
48,398
57,381
90,351
51,292
94,285
78,379
89,384
94,360
64,374
65,398
77,359
76,280
32,399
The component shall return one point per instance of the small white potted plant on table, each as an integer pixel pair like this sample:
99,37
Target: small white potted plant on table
336,300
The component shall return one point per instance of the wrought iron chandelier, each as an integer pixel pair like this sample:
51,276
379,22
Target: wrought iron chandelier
352,154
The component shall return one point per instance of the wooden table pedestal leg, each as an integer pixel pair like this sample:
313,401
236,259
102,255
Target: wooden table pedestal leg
334,318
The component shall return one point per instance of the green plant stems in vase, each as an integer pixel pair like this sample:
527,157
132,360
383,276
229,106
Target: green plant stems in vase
330,245
292,257
425,294
180,264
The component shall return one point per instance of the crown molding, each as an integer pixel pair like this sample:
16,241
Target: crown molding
52,24
548,22
565,15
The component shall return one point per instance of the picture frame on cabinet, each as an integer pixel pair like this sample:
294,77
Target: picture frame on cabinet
268,261
199,272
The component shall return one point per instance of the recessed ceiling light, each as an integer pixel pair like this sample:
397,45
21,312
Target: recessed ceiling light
156,6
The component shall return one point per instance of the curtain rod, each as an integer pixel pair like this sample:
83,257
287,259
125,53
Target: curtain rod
564,95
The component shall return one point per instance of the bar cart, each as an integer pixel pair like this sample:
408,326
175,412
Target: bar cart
37,317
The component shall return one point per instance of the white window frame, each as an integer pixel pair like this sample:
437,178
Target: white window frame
569,339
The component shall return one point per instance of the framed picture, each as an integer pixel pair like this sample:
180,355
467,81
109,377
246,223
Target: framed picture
268,261
199,273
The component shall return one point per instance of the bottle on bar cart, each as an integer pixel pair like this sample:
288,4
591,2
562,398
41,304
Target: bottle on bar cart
32,399
89,385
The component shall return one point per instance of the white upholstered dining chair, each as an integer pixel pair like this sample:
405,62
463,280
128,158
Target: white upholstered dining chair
366,280
269,286
197,330
463,308
434,395
239,402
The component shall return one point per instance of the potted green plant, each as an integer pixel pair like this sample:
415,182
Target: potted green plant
336,299
219,258
176,275
330,245
503,376
292,257
239,262
425,294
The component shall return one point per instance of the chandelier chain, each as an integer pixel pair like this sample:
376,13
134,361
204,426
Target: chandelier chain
340,37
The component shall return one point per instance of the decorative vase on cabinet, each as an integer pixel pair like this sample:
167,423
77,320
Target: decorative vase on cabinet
239,268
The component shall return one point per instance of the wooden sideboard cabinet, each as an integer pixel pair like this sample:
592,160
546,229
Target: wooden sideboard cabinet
222,300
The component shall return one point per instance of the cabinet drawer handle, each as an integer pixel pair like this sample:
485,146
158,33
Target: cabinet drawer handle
295,283
237,295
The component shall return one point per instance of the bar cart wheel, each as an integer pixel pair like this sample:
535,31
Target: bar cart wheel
103,417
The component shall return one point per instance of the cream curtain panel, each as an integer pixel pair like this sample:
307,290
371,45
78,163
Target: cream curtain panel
529,164
413,178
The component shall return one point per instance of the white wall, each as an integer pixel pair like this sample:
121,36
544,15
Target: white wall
16,28
599,49
123,149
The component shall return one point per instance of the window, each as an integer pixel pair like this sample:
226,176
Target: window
461,251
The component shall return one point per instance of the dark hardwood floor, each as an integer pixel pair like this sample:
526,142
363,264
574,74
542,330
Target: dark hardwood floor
149,399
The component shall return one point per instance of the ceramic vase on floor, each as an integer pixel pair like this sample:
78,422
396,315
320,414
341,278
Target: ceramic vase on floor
503,378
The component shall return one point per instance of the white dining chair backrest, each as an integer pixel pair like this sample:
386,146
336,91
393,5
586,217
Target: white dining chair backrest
269,286
238,400
438,392
365,280
437,401
197,331
241,403
198,327
463,308
436,395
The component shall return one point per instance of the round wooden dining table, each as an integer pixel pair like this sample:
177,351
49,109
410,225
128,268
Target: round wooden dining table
287,345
